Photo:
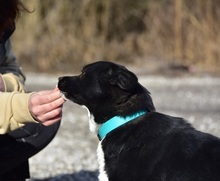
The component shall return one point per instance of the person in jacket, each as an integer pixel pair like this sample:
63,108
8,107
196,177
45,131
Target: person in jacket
28,121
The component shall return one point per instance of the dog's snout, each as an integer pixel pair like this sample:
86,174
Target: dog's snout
62,83
63,80
60,78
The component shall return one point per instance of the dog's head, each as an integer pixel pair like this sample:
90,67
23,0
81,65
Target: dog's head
106,89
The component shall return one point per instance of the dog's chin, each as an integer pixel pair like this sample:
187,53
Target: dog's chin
93,126
63,95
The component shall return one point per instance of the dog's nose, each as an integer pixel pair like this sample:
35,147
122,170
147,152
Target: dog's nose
61,83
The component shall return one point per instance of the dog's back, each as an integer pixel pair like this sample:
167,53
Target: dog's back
161,148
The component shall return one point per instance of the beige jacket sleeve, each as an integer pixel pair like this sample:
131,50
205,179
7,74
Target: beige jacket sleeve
14,112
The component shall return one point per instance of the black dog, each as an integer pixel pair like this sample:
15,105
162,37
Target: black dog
137,143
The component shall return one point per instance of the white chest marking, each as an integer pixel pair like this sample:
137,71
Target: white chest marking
93,126
100,154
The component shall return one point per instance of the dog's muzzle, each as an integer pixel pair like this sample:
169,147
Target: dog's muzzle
63,96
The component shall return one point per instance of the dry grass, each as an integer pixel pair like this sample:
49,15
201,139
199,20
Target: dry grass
60,35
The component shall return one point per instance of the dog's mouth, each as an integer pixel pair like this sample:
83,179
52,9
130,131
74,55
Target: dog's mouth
64,95
67,97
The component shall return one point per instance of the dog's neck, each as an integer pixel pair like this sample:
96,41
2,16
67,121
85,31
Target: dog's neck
116,122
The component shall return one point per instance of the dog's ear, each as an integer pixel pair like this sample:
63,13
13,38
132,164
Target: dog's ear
126,80
123,78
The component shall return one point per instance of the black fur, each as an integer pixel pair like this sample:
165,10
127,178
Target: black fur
153,147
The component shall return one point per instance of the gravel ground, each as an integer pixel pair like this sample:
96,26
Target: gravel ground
71,156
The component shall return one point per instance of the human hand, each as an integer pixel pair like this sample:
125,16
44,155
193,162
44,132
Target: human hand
2,86
46,106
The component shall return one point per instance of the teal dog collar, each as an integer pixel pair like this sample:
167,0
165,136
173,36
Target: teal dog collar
115,122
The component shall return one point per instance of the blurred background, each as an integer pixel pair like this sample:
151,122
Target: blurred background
64,35
163,37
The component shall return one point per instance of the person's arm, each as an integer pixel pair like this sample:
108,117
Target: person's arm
17,108
10,71
10,82
14,111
